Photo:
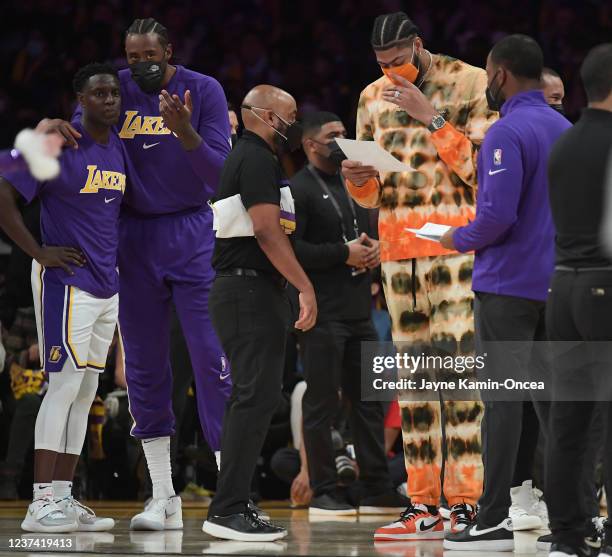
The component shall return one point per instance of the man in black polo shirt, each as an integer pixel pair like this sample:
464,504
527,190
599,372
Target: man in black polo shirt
248,305
580,304
333,242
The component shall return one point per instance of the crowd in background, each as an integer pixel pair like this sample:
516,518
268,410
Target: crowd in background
319,51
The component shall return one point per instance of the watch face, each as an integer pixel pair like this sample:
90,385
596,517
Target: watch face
437,122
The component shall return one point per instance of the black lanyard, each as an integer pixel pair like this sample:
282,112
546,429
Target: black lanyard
326,191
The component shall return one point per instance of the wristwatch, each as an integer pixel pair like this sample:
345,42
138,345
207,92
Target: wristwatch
437,122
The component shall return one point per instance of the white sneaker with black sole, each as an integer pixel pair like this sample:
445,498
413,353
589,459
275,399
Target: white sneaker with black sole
474,538
160,514
84,516
329,505
247,526
43,515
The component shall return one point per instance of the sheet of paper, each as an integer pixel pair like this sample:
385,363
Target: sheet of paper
430,231
370,153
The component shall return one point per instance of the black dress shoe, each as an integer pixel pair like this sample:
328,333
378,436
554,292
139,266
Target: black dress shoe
243,527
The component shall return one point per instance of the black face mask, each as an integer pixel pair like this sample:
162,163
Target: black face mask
234,139
494,99
335,155
289,139
558,107
149,74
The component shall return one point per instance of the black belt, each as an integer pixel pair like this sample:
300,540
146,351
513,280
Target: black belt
582,269
242,272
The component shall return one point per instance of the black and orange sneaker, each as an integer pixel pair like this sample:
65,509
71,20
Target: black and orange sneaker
461,516
417,522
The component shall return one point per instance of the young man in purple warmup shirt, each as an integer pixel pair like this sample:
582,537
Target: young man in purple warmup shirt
175,128
513,236
75,285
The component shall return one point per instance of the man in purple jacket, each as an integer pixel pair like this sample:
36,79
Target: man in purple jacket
513,236
175,128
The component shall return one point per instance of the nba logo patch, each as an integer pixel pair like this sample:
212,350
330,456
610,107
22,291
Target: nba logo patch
55,354
497,154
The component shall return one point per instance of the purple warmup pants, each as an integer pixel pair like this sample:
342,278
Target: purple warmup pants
165,260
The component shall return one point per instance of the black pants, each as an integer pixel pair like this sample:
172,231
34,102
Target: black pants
331,356
579,308
504,318
250,316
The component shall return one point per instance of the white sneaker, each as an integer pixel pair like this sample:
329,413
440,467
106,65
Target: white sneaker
45,516
160,514
539,507
84,516
524,511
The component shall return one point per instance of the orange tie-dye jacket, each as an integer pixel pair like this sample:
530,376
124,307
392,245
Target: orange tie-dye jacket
442,186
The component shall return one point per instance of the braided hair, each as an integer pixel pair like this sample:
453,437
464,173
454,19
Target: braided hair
149,25
392,30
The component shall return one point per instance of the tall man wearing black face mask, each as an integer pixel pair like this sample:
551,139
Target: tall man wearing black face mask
333,243
249,309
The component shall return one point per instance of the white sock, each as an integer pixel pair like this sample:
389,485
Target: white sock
218,459
61,490
43,490
157,453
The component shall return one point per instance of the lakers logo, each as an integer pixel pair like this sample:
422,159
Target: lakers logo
55,354
142,125
103,179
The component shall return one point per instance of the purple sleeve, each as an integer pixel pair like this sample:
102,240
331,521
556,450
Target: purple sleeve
213,127
12,161
24,183
500,184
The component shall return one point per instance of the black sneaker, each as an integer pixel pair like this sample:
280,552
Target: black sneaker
561,550
345,470
462,515
243,527
545,542
330,504
260,512
595,532
391,502
474,538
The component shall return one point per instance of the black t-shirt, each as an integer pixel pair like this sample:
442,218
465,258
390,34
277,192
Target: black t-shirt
577,175
253,171
321,250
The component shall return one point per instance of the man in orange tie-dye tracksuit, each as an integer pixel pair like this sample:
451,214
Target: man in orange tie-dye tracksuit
430,111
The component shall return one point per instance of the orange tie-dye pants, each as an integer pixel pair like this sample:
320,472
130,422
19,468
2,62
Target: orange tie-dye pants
437,310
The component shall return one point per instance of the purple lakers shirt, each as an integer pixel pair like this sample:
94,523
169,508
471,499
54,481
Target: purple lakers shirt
80,209
164,178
